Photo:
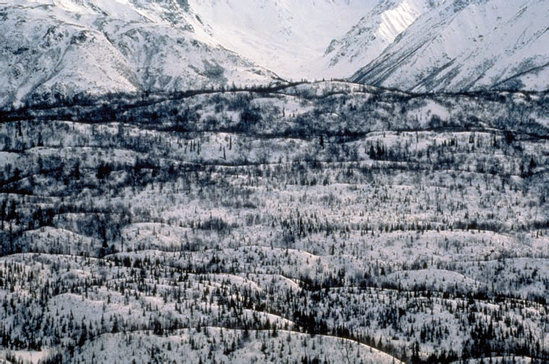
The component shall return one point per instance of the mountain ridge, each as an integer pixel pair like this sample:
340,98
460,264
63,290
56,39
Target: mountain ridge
478,45
96,47
67,47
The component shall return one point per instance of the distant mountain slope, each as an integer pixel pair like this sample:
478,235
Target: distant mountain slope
287,36
467,45
96,46
372,35
58,48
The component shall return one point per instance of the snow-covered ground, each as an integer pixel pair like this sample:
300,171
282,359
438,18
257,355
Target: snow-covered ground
228,346
277,225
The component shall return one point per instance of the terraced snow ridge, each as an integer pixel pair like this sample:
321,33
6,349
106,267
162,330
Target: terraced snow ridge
313,222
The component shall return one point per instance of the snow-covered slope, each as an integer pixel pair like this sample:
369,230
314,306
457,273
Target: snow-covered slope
51,48
96,46
287,36
371,35
466,45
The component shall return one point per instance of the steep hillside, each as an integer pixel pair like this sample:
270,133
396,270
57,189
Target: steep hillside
96,47
371,36
467,45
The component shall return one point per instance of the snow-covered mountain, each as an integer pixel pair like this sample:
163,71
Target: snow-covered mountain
67,47
97,46
420,45
287,36
372,35
309,221
466,45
